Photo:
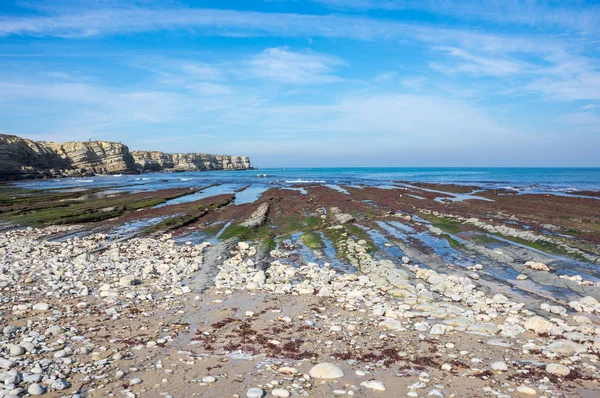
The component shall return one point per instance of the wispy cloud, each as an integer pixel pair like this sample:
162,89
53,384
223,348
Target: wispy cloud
283,65
482,65
577,16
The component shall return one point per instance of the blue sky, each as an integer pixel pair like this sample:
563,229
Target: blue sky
310,82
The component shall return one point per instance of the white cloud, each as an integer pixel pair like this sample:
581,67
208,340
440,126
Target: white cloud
481,65
283,65
583,86
577,16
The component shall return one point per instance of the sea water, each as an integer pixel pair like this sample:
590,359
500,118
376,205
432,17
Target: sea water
523,180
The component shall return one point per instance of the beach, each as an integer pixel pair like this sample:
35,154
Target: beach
241,286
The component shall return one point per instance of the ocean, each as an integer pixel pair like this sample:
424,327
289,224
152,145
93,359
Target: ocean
523,180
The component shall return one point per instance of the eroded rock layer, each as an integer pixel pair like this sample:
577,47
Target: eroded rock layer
21,158
159,161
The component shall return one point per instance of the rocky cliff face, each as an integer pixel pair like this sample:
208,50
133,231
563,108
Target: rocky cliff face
159,161
96,157
21,158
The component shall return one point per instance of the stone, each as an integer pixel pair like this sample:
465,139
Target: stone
524,390
6,363
499,366
391,324
41,307
36,389
557,369
565,348
280,392
209,379
135,381
286,370
538,324
484,328
254,393
16,350
373,385
60,384
128,280
326,370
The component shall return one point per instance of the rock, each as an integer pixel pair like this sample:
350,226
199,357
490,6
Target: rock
524,390
41,307
16,350
60,384
373,385
557,369
209,379
23,158
128,280
160,161
391,324
135,381
326,370
36,389
565,348
254,393
280,392
499,366
286,370
6,363
538,325
522,277
537,266
484,328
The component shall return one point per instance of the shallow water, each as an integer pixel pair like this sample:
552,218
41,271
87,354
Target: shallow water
524,180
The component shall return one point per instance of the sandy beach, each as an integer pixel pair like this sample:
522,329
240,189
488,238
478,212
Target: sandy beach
307,292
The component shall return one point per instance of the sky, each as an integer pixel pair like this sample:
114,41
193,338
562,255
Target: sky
310,83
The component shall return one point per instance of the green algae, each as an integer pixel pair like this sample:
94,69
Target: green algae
312,240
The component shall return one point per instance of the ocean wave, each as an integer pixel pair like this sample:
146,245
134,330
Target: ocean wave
300,181
85,180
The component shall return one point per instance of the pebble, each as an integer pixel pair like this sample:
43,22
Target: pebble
326,370
280,392
36,389
524,390
209,379
41,306
6,363
135,381
500,366
254,393
557,369
16,350
60,384
373,385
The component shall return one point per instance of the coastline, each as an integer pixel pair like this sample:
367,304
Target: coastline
412,289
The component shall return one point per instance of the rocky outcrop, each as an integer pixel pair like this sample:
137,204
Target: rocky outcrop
160,161
96,157
21,158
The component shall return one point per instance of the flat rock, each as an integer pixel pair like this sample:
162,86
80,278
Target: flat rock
254,393
326,370
557,369
565,348
373,385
